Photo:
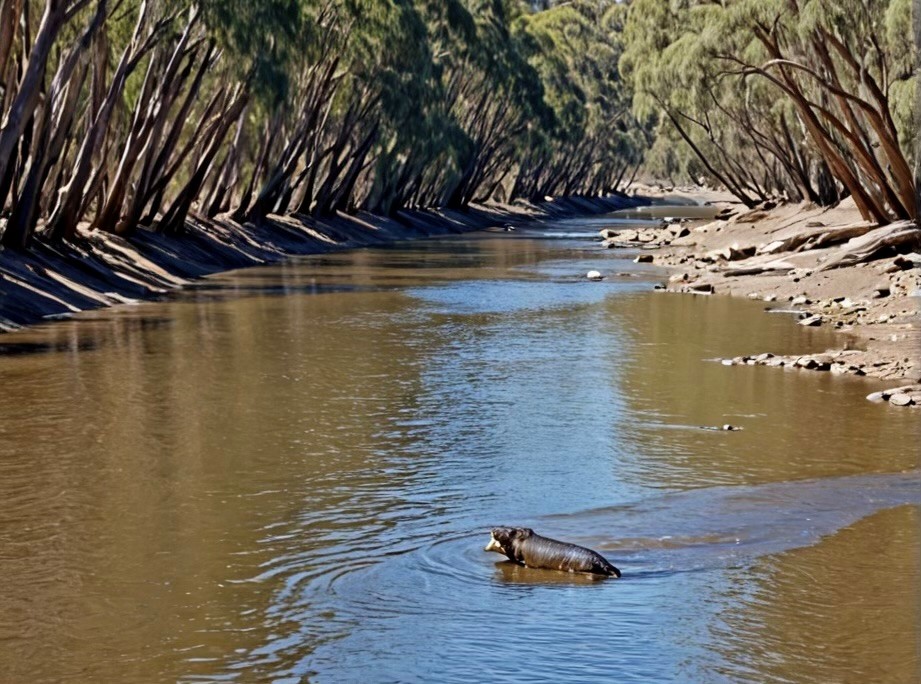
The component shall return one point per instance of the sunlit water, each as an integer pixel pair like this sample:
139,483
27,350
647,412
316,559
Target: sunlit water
288,474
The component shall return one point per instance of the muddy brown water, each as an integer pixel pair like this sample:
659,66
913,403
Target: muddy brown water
288,473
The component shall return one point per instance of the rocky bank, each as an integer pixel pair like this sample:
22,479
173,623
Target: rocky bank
827,266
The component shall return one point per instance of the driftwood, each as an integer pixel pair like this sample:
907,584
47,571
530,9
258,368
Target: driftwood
757,269
898,235
822,236
832,236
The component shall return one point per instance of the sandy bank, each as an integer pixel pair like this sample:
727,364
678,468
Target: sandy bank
827,265
51,281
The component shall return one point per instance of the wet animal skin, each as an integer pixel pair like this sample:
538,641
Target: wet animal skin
522,546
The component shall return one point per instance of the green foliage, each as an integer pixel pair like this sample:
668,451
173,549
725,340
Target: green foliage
767,92
262,39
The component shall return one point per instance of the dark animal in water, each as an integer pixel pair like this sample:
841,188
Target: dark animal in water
522,546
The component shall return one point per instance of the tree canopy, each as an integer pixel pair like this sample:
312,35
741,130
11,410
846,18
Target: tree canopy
136,114
809,99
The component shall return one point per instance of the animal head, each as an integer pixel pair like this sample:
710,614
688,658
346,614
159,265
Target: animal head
502,539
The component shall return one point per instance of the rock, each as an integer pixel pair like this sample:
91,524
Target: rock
823,362
801,300
730,253
701,288
643,259
728,362
607,233
811,321
806,362
891,267
770,298
679,232
761,358
881,291
906,261
814,224
901,399
594,275
846,303
731,428
610,243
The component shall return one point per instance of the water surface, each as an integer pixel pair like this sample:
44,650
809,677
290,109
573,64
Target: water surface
288,474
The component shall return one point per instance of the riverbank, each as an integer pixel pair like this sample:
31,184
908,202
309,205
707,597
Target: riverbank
825,265
53,281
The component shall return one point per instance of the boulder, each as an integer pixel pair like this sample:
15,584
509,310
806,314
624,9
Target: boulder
823,362
901,399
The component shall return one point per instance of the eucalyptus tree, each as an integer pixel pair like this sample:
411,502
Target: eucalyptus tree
593,140
139,113
135,105
800,88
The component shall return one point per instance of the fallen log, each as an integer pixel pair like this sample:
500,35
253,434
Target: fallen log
821,236
758,268
832,236
895,236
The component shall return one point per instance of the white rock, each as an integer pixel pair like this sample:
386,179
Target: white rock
594,275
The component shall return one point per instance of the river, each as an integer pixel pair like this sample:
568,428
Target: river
288,474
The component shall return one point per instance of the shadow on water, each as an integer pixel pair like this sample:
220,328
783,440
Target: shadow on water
512,573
